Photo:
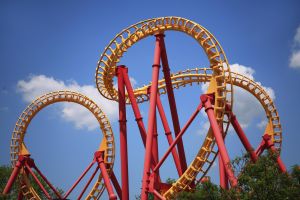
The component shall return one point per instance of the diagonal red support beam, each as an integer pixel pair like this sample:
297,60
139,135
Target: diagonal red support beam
79,179
116,184
37,180
178,137
47,181
206,100
172,102
134,105
168,134
101,164
14,174
267,143
241,134
88,183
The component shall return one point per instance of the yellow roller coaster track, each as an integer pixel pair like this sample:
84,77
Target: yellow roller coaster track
51,98
220,70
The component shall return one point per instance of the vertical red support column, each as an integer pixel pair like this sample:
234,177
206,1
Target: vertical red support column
123,134
238,129
155,155
151,117
205,99
172,102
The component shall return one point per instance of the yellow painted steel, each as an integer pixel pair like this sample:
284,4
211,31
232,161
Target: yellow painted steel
17,146
218,76
219,66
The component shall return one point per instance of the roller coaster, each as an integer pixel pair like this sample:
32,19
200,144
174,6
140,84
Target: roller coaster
217,102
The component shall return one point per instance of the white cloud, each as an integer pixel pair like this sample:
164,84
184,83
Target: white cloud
244,70
37,85
245,106
204,128
295,56
297,36
262,124
295,59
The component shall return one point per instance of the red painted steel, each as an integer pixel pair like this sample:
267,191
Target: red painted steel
116,184
270,145
123,135
88,183
188,123
157,195
37,180
151,116
105,176
205,99
135,108
172,102
168,134
46,180
223,175
13,175
238,129
79,179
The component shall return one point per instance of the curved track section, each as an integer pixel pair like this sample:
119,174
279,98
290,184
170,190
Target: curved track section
51,98
105,70
220,71
201,165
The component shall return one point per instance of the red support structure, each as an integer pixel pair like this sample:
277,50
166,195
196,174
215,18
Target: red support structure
223,175
79,179
151,117
172,102
37,181
155,153
88,183
14,175
222,170
168,134
238,129
267,143
108,186
123,134
46,180
116,184
135,108
206,100
26,163
178,137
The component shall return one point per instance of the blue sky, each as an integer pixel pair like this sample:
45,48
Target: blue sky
56,44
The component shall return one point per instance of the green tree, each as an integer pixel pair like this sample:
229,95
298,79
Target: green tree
259,181
5,172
